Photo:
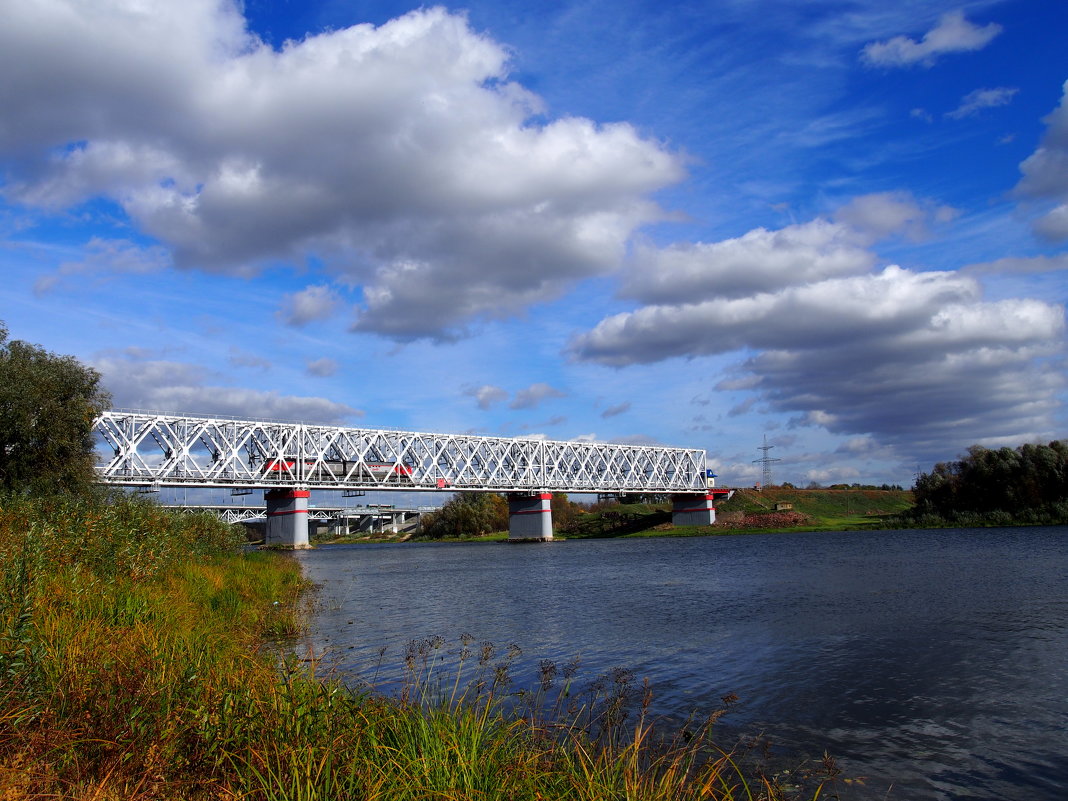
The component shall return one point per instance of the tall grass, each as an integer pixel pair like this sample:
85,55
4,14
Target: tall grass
137,662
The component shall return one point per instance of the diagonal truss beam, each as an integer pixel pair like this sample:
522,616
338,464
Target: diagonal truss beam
168,450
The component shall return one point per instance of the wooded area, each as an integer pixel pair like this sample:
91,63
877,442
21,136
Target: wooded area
1026,483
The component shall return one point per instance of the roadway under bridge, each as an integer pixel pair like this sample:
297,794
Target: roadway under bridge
341,520
288,460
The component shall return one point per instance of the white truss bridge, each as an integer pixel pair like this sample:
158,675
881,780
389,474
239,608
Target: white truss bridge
145,449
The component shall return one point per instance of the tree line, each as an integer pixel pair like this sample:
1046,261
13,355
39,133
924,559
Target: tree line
1024,484
475,514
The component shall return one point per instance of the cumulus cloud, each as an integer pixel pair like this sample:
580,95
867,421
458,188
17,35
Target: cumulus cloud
402,155
952,34
1045,174
766,261
311,303
915,359
487,395
1053,226
760,260
322,368
1020,265
976,101
180,387
106,258
615,411
812,316
534,395
881,214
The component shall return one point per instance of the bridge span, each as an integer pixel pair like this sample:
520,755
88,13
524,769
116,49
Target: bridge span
288,460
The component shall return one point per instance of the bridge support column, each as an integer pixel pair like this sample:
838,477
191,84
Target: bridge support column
530,517
287,518
693,509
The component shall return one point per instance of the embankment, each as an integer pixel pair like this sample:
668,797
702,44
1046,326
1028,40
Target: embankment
136,662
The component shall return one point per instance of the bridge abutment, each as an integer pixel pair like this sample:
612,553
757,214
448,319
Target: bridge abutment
287,518
530,516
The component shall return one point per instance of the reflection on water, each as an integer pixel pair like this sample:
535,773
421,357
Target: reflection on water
933,661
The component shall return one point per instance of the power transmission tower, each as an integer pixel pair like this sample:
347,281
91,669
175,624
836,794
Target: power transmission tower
765,463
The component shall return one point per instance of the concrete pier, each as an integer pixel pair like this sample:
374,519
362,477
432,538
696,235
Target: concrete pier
530,517
693,509
287,518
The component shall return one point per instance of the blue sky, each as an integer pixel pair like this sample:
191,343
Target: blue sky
842,225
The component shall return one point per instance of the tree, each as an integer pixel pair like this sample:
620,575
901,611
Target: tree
468,514
47,406
1013,481
564,511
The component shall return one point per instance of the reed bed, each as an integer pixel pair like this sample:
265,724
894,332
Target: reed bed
142,656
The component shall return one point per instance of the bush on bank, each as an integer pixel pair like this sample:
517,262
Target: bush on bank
135,663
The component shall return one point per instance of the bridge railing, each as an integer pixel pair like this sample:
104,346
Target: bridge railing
167,450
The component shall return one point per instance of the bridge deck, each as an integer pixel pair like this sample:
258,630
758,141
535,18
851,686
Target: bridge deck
166,450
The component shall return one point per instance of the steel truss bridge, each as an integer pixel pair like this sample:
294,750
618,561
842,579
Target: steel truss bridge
144,449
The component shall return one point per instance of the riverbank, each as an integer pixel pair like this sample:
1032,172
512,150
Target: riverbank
143,657
749,511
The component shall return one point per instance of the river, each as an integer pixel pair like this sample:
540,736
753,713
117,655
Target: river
931,664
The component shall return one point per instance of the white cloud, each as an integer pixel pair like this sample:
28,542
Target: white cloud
812,316
976,101
401,154
1045,174
487,395
1024,266
761,260
952,34
322,368
767,261
534,395
1053,226
884,213
616,410
311,303
914,359
180,387
104,259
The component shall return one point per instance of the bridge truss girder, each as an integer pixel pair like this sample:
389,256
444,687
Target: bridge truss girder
166,450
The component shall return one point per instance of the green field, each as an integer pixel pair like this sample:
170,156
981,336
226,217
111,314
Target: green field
827,508
752,511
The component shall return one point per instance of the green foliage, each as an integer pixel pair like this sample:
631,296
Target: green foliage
566,513
47,406
998,487
133,666
468,514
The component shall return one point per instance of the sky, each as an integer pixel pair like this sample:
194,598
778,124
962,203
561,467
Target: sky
842,226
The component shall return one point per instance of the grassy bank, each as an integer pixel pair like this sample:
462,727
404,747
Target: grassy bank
816,509
754,512
135,663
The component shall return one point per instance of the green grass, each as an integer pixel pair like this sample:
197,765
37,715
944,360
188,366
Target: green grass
753,512
848,508
141,657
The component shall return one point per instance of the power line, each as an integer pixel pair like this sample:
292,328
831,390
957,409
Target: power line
765,463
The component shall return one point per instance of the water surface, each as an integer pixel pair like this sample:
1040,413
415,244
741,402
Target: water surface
932,663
